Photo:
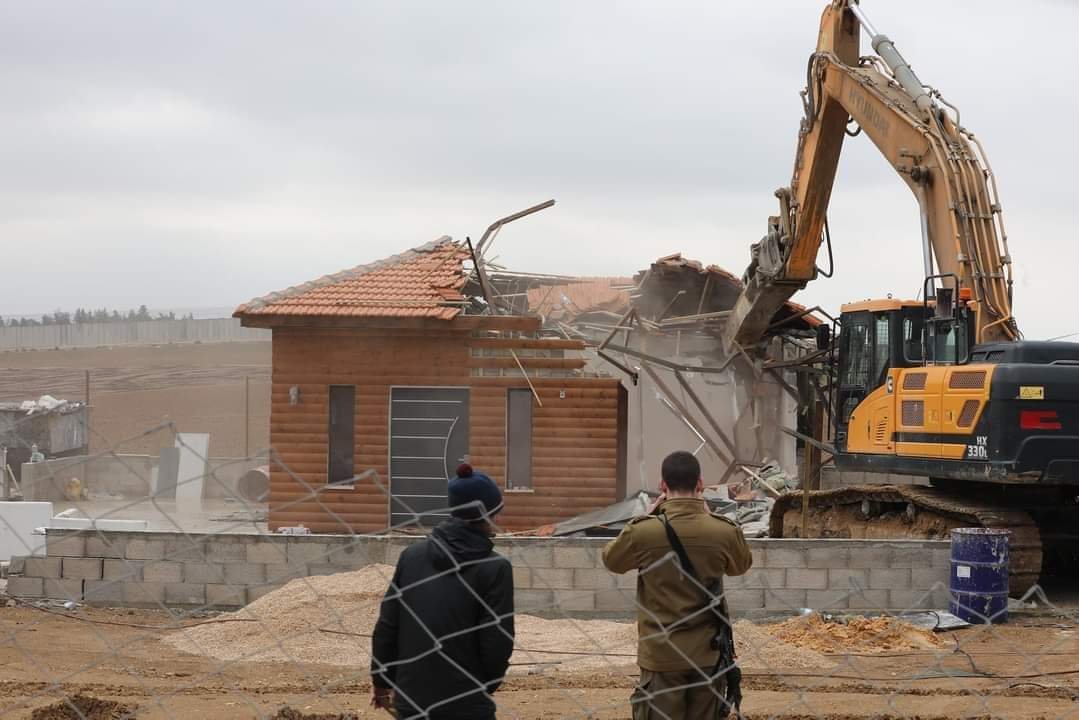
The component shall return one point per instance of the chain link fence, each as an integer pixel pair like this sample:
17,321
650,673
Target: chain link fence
190,616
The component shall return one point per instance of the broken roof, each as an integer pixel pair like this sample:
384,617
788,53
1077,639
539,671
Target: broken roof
675,286
580,296
424,282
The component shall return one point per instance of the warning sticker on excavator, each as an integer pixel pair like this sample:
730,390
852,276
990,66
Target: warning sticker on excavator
1031,392
962,571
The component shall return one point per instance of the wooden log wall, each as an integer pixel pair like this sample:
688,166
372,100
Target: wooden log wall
575,432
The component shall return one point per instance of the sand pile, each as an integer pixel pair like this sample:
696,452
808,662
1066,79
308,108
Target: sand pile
328,620
853,634
290,625
758,649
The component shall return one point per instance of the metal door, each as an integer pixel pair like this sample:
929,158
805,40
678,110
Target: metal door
428,439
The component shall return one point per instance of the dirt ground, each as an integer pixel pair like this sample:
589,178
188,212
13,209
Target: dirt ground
1027,669
196,387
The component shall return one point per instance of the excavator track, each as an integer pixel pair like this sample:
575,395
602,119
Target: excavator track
1026,543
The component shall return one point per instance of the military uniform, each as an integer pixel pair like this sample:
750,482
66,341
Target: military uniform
677,664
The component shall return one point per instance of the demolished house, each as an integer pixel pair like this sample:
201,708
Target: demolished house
567,391
738,415
388,375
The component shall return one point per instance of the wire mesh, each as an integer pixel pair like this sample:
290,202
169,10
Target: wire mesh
180,620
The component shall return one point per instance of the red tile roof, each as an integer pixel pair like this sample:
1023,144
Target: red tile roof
424,282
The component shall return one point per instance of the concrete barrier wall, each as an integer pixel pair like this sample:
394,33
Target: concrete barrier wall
150,332
561,576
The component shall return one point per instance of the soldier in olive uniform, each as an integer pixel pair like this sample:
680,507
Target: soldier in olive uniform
679,678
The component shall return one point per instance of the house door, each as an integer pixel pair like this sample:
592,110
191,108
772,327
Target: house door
428,440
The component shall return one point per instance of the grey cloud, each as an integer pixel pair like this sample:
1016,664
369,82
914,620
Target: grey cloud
247,146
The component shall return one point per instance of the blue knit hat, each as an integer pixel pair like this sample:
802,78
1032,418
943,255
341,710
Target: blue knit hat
473,495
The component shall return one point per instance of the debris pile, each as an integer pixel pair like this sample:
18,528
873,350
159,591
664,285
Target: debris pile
83,707
839,634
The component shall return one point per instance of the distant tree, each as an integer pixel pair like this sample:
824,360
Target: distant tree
116,316
143,313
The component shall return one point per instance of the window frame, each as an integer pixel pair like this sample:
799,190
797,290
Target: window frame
344,483
529,485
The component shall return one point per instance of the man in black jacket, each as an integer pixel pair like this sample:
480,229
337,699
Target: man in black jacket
445,629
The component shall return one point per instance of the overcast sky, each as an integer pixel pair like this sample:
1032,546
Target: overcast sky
197,154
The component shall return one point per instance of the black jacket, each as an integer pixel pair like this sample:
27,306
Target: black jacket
445,629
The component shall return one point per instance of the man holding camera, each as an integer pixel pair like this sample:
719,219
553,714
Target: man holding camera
681,552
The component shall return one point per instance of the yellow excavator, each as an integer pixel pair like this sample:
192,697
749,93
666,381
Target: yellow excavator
943,387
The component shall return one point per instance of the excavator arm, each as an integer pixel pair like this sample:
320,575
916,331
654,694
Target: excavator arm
939,160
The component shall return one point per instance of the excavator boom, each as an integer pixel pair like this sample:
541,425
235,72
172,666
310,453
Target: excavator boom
940,161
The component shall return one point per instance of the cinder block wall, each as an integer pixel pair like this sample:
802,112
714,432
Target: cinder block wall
550,575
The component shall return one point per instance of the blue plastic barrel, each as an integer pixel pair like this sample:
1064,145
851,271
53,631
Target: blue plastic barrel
979,584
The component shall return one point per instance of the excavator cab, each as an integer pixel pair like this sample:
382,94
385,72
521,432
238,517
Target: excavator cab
880,336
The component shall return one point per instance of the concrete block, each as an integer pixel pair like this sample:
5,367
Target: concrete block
17,565
552,579
41,567
250,574
593,579
939,598
185,594
225,551
63,589
928,578
203,572
847,579
267,552
68,545
568,556
522,578
942,558
317,569
900,600
873,556
574,600
765,578
25,587
106,546
744,600
829,556
616,601
82,568
254,593
758,556
531,555
108,592
165,571
393,551
911,557
144,549
626,581
785,557
533,600
144,593
889,579
827,599
785,600
275,573
302,553
225,595
355,554
187,549
807,578
876,600
125,570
